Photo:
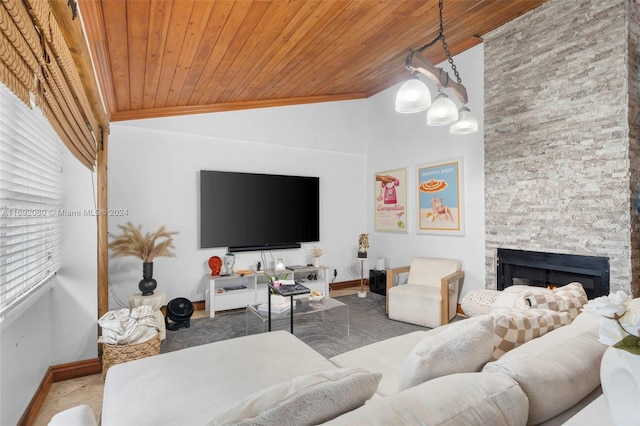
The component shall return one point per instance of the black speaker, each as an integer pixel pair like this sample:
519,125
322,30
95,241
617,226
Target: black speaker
179,311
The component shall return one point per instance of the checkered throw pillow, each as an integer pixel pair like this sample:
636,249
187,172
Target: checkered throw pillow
514,327
569,298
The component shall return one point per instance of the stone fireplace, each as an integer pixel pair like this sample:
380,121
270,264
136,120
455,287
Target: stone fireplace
561,140
521,267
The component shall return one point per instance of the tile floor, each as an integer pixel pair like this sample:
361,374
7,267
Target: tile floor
88,390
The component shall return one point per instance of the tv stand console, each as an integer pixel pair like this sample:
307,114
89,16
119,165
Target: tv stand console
235,291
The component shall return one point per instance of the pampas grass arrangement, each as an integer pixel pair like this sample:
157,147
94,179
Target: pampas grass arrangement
132,242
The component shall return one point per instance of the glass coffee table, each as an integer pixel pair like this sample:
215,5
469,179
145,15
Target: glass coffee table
327,312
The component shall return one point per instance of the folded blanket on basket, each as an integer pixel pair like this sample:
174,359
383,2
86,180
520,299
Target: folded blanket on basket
128,326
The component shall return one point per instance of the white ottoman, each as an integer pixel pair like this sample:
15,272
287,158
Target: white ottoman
478,302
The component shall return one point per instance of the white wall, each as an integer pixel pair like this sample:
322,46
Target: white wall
74,301
153,176
59,324
404,140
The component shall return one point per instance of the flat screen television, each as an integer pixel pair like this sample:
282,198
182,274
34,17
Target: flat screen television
251,211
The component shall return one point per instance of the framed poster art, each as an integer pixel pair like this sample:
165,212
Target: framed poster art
390,193
440,198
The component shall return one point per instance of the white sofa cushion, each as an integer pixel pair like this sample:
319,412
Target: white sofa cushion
386,357
462,347
428,271
196,383
556,370
513,327
412,301
304,400
457,399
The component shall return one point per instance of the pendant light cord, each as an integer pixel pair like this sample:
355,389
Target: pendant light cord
440,36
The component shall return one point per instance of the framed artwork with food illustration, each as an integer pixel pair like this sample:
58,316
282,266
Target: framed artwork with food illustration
390,193
440,198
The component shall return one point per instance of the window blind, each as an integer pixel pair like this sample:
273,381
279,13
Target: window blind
30,200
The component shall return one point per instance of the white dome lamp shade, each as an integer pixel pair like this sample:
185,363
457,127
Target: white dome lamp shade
413,96
443,111
466,124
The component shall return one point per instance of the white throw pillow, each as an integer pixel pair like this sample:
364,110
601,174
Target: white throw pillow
464,347
457,399
306,400
515,296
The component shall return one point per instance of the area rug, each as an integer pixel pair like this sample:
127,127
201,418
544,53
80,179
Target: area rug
368,323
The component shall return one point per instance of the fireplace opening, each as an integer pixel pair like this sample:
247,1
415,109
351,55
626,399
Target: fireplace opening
522,267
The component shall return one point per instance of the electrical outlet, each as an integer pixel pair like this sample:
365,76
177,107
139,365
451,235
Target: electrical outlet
335,273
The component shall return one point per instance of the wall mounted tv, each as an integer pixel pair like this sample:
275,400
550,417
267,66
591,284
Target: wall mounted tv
250,211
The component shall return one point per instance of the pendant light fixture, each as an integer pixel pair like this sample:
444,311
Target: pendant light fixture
443,111
414,96
466,124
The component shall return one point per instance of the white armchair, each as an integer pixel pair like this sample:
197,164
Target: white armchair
430,296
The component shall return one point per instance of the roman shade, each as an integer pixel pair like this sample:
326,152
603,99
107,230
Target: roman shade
36,64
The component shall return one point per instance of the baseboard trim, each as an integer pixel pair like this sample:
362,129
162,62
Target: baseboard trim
57,373
347,284
74,370
32,410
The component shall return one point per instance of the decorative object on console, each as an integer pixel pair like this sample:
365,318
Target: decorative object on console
620,366
215,264
414,96
274,275
229,261
316,253
132,242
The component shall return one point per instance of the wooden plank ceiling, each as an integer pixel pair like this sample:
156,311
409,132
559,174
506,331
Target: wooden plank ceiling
158,58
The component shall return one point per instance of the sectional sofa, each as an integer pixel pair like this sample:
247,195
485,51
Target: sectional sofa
446,375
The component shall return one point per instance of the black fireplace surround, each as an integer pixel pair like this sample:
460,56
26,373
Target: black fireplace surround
522,267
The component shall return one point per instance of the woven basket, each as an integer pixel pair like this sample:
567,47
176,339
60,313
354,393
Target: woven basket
117,354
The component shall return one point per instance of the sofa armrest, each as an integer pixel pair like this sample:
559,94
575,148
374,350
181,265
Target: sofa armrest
391,281
445,282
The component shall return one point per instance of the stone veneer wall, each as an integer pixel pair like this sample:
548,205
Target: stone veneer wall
633,25
561,162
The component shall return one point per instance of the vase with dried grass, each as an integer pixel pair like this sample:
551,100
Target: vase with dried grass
146,246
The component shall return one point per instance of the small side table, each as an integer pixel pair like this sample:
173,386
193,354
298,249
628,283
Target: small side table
156,300
285,290
378,281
